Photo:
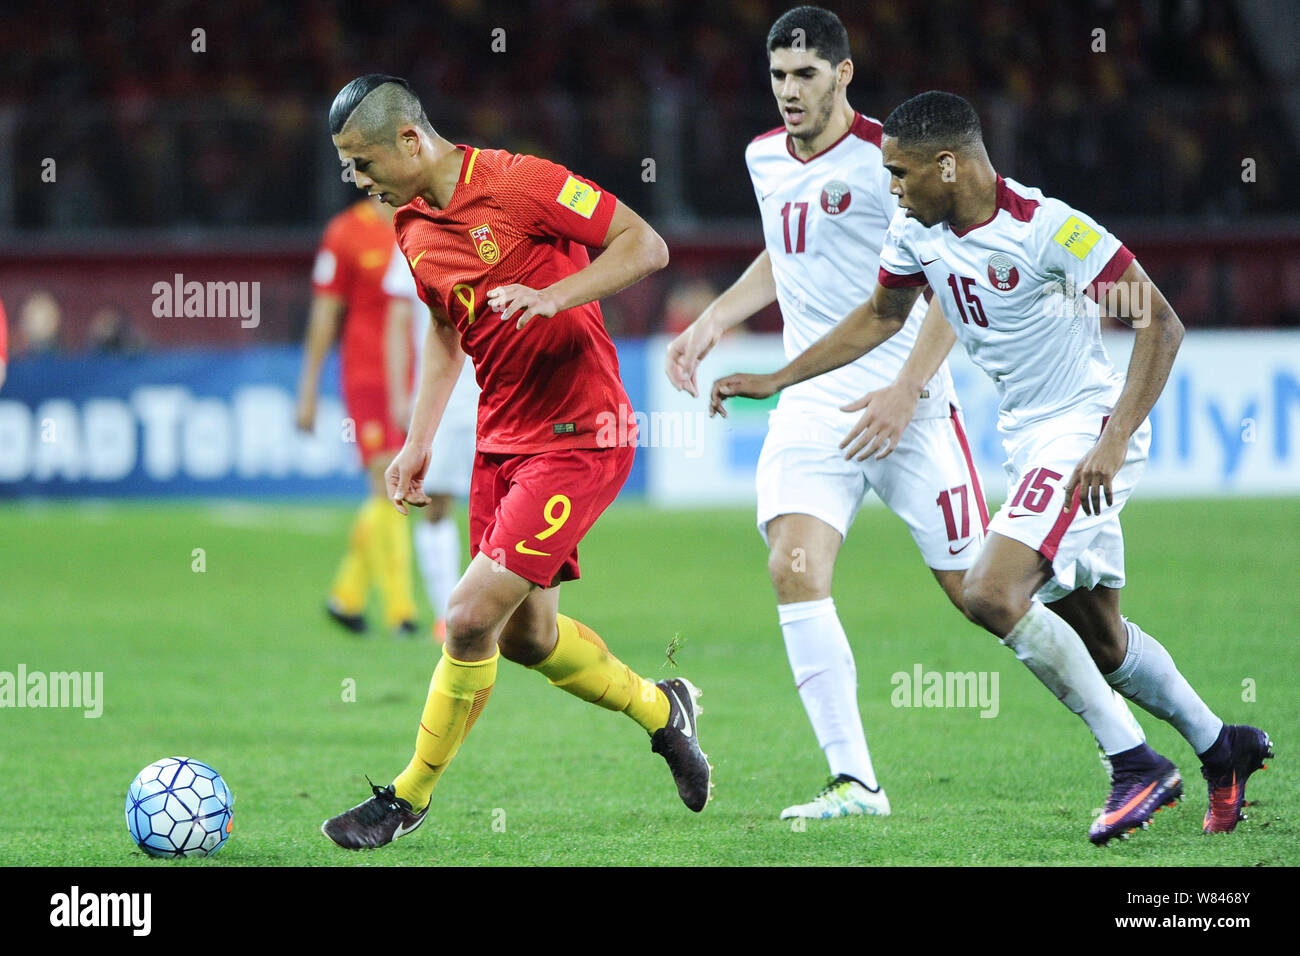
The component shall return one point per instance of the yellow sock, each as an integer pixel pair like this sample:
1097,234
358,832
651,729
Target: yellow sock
457,694
352,581
582,665
391,557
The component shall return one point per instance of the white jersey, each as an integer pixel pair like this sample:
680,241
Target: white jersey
824,220
399,283
1013,289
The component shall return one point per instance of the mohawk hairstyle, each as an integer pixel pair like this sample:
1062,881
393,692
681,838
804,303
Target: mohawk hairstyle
935,119
820,30
377,104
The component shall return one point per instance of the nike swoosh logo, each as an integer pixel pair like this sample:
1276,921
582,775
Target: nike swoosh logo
403,830
931,262
1114,815
686,721
524,549
959,550
1023,514
418,258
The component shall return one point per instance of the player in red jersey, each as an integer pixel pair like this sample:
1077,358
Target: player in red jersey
496,244
347,288
4,344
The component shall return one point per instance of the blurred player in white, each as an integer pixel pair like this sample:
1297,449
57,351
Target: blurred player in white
1020,276
451,462
825,202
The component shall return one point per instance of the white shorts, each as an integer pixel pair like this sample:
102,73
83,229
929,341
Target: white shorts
1085,550
929,481
451,456
451,461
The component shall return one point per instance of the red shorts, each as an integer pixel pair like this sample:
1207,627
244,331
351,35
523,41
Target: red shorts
528,512
376,432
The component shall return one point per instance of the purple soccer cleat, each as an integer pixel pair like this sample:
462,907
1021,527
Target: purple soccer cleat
1136,794
1248,748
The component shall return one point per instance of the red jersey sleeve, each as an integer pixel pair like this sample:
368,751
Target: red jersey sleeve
333,270
544,198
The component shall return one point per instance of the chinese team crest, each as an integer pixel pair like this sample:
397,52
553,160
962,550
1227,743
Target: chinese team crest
1002,273
485,243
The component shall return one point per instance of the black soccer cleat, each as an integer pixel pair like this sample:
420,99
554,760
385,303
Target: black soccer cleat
376,822
406,629
678,743
355,623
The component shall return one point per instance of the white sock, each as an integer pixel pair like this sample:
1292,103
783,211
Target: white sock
827,679
1149,677
1056,655
437,550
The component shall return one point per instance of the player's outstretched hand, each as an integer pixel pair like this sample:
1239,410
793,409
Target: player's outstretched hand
685,353
741,385
509,299
1093,475
888,412
404,478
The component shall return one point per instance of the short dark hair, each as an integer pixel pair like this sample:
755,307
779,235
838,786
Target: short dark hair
397,103
938,119
820,29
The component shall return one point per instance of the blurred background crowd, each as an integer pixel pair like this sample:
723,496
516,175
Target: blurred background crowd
170,142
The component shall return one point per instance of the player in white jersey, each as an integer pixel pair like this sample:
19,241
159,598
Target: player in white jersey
1020,277
825,203
451,463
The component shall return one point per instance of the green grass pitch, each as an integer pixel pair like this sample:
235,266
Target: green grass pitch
236,665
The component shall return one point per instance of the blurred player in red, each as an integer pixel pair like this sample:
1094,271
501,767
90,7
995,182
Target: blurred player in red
4,345
496,244
451,459
347,288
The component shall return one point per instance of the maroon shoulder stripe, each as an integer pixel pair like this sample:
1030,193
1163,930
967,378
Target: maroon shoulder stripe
1111,271
891,281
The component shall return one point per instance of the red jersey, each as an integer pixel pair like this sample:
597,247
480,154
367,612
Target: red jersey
518,219
4,335
350,264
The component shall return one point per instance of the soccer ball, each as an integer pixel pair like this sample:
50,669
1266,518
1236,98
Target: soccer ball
179,806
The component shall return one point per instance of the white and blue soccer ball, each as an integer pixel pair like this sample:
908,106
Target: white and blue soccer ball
179,806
